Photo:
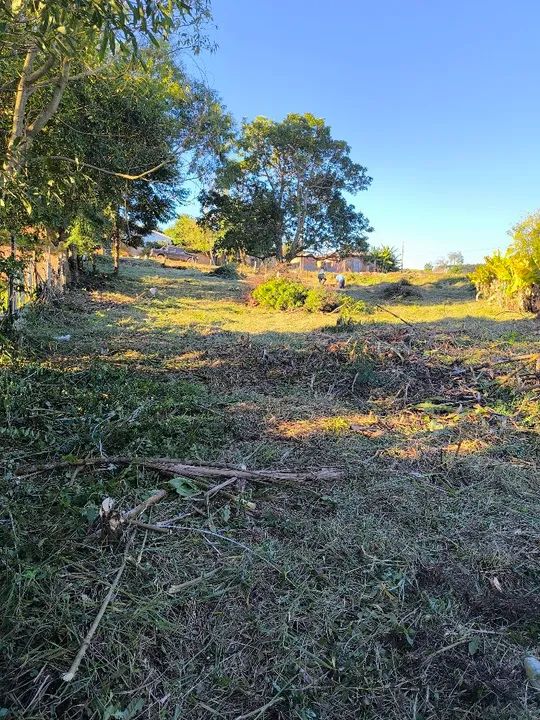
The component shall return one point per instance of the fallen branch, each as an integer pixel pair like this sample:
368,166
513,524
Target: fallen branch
384,309
143,507
173,466
67,677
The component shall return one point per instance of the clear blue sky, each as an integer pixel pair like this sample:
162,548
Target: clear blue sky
440,100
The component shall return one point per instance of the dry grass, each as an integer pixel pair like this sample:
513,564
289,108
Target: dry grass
407,590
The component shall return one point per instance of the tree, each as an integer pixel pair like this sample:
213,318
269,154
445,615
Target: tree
48,45
296,173
386,258
526,238
185,231
127,117
428,267
454,259
242,227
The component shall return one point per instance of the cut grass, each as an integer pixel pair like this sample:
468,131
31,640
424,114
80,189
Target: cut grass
370,597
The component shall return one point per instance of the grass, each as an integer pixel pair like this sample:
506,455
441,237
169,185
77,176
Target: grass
407,590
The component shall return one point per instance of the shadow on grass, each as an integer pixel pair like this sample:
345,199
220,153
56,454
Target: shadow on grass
417,571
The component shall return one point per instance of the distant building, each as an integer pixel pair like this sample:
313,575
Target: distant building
355,262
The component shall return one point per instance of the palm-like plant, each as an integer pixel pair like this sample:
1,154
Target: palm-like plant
385,258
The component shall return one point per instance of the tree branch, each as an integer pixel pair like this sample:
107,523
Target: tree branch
125,176
52,106
40,72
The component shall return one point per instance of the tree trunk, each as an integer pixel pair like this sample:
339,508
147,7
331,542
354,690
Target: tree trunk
11,300
73,260
116,249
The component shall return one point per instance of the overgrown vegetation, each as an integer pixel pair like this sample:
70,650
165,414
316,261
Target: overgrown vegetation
514,278
280,293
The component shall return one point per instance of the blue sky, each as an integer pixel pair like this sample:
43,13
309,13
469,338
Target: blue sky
439,100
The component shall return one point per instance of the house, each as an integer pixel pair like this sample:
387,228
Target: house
354,262
307,262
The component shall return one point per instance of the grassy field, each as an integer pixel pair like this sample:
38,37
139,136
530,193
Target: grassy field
408,589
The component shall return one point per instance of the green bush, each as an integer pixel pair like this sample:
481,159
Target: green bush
514,278
321,300
229,271
283,294
280,294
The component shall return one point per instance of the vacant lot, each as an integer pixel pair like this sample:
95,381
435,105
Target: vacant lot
407,589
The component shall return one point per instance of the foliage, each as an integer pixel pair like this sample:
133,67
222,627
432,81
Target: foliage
292,176
241,227
85,233
320,299
428,267
280,294
12,269
185,231
229,270
455,259
386,258
48,46
514,276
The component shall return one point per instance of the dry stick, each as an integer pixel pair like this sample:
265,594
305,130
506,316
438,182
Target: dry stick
216,488
172,466
67,677
142,507
381,307
190,583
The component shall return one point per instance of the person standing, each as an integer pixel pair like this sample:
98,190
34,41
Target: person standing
321,275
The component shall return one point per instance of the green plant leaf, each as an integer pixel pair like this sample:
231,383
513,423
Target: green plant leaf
184,486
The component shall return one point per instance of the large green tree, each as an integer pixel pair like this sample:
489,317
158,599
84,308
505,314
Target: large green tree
46,46
189,234
304,176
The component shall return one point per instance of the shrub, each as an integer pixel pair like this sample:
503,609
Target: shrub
400,290
514,278
321,300
280,294
229,270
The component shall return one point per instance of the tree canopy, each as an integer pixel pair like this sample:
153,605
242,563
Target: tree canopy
186,232
292,178
48,46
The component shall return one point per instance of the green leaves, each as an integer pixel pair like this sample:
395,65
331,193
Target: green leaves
185,487
293,174
474,646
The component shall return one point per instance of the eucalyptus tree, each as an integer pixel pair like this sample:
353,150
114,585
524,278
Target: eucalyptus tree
46,46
